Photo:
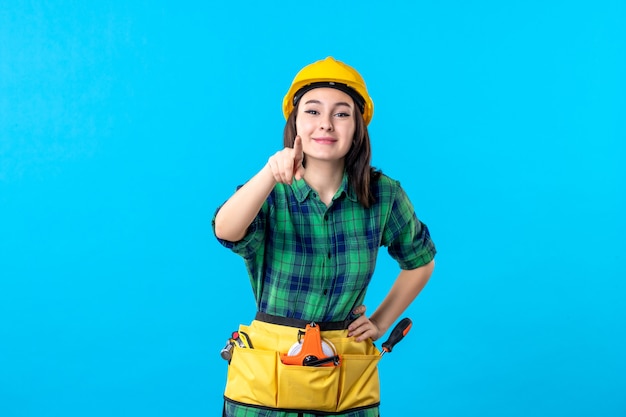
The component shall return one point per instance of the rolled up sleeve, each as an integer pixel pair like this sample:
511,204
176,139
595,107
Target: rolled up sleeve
406,237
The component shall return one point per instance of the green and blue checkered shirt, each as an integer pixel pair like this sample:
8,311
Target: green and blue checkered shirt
314,262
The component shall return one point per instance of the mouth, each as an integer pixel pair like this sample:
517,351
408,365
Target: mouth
325,140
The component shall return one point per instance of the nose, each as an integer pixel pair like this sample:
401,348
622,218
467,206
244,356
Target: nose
326,123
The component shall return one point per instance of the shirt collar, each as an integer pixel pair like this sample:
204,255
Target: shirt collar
302,190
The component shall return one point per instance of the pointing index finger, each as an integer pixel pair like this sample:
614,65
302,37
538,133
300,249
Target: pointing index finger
297,146
298,158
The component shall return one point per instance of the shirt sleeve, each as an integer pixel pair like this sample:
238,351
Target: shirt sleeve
252,241
406,237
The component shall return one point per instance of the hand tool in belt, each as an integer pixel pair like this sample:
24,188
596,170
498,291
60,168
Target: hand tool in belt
311,353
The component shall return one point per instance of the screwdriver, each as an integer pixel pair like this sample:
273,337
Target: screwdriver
397,334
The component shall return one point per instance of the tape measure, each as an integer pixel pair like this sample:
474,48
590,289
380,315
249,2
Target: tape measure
327,348
311,350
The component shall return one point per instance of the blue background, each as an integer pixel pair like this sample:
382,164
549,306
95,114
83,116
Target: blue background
123,125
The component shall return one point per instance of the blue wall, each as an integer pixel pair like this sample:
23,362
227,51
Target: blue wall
124,124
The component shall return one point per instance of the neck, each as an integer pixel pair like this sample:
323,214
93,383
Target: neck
324,177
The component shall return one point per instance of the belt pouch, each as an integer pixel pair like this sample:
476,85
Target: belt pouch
257,377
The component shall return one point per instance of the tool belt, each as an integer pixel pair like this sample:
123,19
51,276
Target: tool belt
257,376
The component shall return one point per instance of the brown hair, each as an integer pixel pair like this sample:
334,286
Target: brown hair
361,174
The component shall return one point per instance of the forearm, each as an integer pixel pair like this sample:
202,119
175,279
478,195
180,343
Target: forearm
405,289
236,215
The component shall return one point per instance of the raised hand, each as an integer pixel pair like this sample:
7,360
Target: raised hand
287,163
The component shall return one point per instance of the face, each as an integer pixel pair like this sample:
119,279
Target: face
325,122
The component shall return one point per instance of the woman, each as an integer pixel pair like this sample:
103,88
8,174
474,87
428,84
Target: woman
309,225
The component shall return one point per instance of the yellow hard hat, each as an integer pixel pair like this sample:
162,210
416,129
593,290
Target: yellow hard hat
330,73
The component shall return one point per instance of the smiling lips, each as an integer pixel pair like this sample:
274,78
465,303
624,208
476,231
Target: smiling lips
325,140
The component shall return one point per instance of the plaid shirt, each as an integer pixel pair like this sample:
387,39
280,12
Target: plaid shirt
314,262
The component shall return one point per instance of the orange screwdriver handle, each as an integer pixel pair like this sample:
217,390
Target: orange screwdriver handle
397,334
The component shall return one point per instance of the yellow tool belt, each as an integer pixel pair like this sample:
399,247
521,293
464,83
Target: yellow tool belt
258,378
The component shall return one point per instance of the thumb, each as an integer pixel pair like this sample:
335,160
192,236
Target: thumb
359,310
299,174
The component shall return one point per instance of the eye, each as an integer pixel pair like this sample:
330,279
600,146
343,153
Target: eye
313,112
342,114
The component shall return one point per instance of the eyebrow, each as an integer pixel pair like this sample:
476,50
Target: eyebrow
340,103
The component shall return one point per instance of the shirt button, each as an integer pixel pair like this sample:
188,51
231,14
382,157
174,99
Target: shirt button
325,292
326,217
328,255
